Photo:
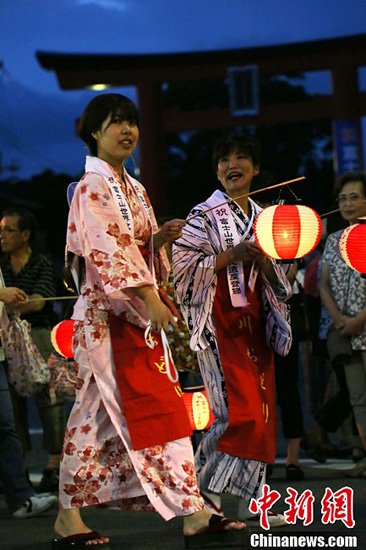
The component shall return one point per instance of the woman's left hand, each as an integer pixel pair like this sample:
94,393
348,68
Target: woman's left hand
158,313
257,254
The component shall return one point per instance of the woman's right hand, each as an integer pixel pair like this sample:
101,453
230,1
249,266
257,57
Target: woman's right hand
353,326
247,251
12,295
244,252
340,321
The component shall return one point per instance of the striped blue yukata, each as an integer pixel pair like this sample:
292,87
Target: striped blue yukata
195,281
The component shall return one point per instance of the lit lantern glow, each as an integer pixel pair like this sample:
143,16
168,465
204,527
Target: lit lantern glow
61,338
352,246
286,232
198,409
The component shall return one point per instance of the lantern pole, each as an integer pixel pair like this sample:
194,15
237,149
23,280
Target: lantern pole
326,214
52,298
301,178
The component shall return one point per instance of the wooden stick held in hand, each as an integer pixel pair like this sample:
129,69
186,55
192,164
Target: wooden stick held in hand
302,178
51,298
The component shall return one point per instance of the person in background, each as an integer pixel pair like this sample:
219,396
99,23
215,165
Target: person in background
287,388
23,267
319,365
114,451
20,497
287,369
226,288
343,293
315,439
328,396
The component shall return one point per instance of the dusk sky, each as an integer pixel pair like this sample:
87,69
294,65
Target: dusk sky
37,118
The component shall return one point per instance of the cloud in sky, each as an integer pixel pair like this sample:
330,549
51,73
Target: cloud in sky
106,4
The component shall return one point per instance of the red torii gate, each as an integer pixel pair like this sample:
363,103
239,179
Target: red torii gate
341,56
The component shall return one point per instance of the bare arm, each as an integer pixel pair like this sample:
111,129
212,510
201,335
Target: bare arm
354,325
327,299
350,326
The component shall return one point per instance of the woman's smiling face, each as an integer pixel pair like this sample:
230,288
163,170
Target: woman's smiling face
116,139
236,171
352,201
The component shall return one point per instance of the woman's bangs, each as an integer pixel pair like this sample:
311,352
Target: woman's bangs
127,111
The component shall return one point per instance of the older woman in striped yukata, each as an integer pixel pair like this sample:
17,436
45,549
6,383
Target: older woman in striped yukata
232,298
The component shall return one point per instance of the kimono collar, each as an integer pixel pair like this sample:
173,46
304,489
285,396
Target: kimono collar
95,164
229,237
99,166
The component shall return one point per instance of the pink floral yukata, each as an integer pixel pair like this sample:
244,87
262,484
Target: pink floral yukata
98,463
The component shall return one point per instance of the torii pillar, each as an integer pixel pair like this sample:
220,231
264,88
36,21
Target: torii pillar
347,132
151,132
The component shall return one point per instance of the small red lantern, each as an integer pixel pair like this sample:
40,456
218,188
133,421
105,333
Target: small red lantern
198,409
61,338
287,231
352,246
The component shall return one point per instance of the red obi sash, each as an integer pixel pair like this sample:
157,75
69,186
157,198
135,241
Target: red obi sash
248,368
154,410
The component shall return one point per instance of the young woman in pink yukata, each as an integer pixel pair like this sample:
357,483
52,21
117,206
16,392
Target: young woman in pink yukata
127,440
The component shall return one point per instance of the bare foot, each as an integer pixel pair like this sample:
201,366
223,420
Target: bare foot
69,522
198,522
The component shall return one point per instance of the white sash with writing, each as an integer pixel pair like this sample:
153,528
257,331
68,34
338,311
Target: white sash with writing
229,238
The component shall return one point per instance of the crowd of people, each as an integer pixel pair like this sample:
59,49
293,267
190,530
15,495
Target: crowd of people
127,441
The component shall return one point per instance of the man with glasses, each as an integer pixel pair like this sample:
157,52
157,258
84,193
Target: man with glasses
23,267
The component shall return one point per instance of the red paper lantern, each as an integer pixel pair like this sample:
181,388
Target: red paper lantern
198,409
352,246
61,338
287,231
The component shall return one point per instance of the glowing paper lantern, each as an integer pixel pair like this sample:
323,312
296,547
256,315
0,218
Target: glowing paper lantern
61,338
198,409
352,246
287,231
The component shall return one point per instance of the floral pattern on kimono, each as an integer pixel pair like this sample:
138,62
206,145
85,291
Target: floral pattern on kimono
98,464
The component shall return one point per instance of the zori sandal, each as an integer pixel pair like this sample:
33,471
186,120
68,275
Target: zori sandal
80,540
216,535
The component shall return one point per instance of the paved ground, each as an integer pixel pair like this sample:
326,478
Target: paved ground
137,531
133,531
